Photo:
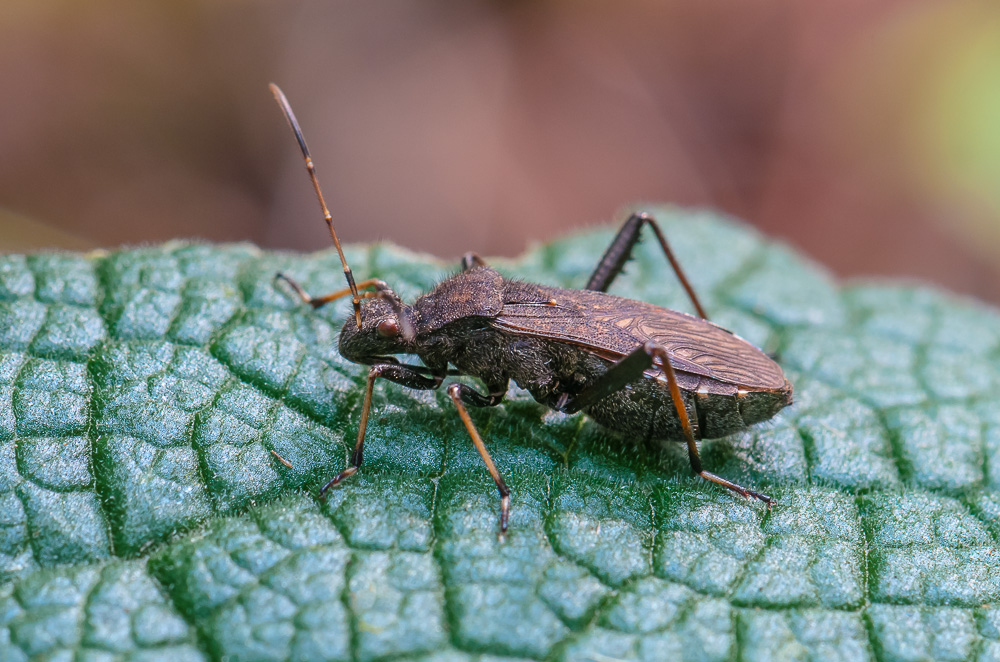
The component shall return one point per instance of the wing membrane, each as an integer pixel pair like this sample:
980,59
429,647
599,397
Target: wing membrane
613,326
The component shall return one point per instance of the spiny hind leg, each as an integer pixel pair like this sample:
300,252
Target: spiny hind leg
631,368
620,250
693,457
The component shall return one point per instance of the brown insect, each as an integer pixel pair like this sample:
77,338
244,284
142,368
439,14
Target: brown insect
635,368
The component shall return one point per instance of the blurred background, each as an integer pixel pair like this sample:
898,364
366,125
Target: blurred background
865,133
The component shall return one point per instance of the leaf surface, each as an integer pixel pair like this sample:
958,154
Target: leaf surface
143,514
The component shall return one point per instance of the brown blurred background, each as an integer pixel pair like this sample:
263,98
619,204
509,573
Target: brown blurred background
866,133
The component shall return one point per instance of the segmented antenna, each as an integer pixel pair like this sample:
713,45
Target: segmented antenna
286,108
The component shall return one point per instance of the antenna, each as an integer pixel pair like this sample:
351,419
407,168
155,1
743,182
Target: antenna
286,108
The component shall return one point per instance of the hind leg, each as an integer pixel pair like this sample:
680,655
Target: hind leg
620,250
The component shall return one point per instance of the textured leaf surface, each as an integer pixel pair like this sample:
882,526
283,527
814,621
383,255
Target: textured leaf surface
143,515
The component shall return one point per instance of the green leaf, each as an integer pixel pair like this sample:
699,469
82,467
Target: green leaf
144,516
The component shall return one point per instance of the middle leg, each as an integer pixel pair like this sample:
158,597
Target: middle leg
461,394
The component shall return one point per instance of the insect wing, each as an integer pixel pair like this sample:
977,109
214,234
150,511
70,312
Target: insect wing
613,326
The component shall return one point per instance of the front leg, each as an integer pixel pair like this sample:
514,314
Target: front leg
403,375
316,302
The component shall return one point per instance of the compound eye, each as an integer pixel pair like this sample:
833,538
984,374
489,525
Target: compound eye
388,328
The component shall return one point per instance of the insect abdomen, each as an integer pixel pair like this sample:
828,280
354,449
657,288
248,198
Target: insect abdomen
645,409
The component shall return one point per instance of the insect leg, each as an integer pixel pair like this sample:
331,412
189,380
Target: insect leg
316,302
471,261
620,250
394,372
628,370
461,393
617,376
693,457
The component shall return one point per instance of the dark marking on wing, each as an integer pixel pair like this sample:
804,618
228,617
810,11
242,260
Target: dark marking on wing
612,327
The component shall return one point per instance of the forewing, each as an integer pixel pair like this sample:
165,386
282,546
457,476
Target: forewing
613,327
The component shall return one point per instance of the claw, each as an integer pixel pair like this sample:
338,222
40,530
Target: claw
349,471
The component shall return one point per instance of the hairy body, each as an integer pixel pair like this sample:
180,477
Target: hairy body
554,343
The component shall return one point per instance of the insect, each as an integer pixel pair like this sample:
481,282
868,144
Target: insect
635,368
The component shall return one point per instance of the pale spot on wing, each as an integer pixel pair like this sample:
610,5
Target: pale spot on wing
613,326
